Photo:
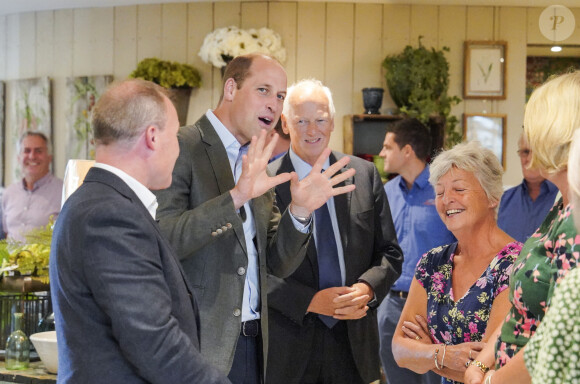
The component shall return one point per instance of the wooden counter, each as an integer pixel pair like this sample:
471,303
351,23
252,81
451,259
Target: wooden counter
36,374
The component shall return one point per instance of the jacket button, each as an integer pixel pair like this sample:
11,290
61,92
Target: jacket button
214,233
237,312
241,271
229,225
224,228
219,231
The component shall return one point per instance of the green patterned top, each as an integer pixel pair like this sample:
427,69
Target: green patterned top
553,353
545,259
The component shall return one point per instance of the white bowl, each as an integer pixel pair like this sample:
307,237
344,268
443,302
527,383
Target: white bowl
45,345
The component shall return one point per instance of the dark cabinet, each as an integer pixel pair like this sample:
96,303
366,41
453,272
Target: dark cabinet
364,134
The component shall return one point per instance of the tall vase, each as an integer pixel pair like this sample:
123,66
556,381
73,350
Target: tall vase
372,100
180,98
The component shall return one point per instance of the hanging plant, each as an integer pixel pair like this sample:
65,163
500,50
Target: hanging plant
418,81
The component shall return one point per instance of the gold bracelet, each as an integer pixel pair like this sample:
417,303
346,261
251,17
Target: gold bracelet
484,368
435,358
443,358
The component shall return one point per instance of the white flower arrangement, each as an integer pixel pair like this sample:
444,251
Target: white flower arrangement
229,42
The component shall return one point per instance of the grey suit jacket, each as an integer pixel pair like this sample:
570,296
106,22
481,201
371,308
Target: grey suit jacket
197,214
371,254
124,311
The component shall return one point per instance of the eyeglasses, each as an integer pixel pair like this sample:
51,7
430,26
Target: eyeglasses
524,152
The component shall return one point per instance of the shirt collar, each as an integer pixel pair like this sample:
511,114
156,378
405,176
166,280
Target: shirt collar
39,183
301,167
545,188
421,182
143,193
229,141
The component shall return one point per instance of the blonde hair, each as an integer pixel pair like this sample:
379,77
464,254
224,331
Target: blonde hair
474,158
552,115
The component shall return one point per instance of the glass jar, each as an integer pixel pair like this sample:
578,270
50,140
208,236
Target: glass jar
17,346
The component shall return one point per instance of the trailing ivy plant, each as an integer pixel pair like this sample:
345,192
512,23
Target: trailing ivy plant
168,74
418,81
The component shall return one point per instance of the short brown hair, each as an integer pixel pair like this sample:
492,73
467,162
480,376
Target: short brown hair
239,69
126,109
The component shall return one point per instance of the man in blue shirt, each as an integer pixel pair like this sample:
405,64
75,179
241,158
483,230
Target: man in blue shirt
524,207
418,225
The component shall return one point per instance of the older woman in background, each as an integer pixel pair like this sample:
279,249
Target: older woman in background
552,115
460,288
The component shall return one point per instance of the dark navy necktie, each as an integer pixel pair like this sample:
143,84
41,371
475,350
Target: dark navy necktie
328,266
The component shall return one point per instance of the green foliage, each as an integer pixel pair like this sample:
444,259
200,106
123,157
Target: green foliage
30,258
168,74
418,80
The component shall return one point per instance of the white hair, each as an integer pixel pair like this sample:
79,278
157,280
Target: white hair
308,84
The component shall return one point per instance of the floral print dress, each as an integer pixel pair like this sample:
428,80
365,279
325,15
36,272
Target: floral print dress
457,320
547,256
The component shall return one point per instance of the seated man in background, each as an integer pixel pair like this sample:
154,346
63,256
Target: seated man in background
28,204
524,207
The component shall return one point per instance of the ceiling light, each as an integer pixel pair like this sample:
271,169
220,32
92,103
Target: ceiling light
556,48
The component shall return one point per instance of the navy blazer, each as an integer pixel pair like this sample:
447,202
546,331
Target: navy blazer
124,311
371,254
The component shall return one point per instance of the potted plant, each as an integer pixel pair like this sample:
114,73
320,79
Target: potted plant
29,259
179,78
418,81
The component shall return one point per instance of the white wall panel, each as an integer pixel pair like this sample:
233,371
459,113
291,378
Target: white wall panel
339,63
125,44
342,44
149,31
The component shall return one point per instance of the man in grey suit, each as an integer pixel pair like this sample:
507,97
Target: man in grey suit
323,324
220,217
124,311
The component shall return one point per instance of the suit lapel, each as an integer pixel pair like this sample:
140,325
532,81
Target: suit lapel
283,190
218,159
216,153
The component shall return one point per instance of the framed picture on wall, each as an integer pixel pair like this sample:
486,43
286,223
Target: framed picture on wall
489,130
484,70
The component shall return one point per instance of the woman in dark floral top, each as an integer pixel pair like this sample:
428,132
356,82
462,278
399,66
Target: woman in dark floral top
551,118
459,292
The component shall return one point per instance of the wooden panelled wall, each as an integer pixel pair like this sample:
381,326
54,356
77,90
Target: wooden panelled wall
342,44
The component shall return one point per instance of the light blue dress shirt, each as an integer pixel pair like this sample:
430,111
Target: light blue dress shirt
519,216
417,223
251,298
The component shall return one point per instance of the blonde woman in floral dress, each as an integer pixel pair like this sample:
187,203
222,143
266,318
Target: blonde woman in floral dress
553,353
552,115
459,292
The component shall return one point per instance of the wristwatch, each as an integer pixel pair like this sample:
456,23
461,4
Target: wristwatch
303,220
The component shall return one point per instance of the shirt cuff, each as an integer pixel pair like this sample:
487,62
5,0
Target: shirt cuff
303,228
